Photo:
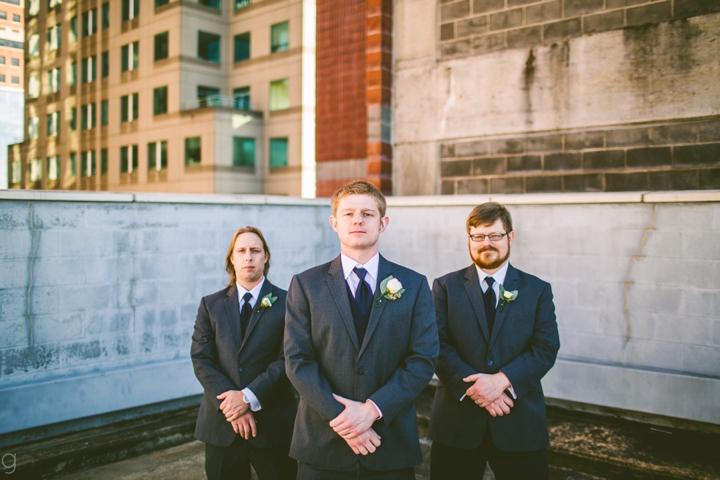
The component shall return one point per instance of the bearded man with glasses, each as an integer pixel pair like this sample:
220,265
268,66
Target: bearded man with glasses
498,338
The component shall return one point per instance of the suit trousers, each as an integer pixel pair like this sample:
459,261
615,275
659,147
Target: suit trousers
355,472
450,463
233,462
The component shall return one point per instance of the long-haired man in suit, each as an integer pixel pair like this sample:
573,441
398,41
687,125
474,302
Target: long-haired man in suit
498,338
248,409
360,345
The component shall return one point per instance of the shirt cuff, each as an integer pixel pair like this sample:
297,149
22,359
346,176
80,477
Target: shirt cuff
251,399
512,392
463,397
376,408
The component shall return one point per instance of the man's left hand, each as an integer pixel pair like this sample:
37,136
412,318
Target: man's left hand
486,388
233,404
356,419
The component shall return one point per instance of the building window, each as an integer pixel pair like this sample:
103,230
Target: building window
15,80
193,151
54,80
243,152
73,74
73,29
33,124
208,46
16,171
279,37
217,4
33,86
34,45
53,168
278,152
129,108
105,64
242,47
3,16
103,161
104,114
33,7
157,155
35,169
160,100
129,57
16,18
15,62
53,124
241,98
242,4
128,159
160,3
54,37
2,60
88,163
73,165
89,23
88,69
130,9
88,116
73,119
208,96
161,46
2,78
280,94
105,16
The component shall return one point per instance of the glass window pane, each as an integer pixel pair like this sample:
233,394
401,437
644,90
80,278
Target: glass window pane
160,95
105,64
278,152
193,151
211,3
161,46
242,47
241,98
151,150
208,46
104,114
105,16
243,152
208,96
103,161
280,37
280,94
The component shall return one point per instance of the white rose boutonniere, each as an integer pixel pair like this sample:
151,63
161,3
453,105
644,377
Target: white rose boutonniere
266,302
390,288
506,296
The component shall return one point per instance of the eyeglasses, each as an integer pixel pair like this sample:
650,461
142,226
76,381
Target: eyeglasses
494,237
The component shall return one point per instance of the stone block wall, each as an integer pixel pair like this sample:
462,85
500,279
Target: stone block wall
668,156
476,27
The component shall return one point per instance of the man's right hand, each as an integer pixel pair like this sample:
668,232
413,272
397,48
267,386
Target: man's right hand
245,425
365,443
500,407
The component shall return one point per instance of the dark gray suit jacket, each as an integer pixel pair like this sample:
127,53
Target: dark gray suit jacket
224,361
392,366
523,344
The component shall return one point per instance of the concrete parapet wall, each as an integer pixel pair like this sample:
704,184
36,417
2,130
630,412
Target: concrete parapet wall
117,278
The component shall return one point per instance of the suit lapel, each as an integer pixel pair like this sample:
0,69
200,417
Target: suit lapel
383,272
474,293
257,311
512,279
232,308
338,289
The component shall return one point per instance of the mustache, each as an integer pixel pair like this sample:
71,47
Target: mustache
488,248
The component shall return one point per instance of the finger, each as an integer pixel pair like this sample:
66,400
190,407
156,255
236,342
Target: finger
362,449
236,428
223,395
375,440
370,447
253,427
492,412
342,400
355,450
338,421
471,378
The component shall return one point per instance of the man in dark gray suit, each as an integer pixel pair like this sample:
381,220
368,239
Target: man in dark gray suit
360,345
498,338
248,409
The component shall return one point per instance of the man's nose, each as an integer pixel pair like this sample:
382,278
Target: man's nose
358,218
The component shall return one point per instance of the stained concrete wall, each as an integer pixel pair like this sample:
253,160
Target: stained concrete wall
117,278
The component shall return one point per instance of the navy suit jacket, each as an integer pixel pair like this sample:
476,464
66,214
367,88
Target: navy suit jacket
223,360
391,367
523,344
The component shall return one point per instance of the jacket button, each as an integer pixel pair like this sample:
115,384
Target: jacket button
489,362
360,372
240,369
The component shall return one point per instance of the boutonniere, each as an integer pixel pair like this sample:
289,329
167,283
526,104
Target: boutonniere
506,296
266,302
390,288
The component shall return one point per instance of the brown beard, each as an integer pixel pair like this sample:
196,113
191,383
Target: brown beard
489,265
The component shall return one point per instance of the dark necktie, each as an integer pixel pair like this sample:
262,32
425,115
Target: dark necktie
489,299
363,293
245,313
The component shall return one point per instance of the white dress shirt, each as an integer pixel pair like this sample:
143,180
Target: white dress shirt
371,277
255,292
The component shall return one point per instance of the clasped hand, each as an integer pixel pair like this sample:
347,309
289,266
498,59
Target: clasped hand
233,405
487,391
354,425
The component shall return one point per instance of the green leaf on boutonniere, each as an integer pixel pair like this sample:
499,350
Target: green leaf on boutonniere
506,296
390,288
266,302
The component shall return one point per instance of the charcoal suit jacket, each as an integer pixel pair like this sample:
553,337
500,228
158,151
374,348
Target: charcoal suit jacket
391,366
223,360
523,344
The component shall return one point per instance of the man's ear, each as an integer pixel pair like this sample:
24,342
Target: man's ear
384,222
333,222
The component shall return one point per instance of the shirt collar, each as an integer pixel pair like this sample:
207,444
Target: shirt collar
255,292
498,276
371,265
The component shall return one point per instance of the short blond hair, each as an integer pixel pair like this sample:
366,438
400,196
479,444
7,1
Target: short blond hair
359,187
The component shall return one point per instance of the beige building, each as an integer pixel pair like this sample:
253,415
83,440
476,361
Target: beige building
214,96
11,79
